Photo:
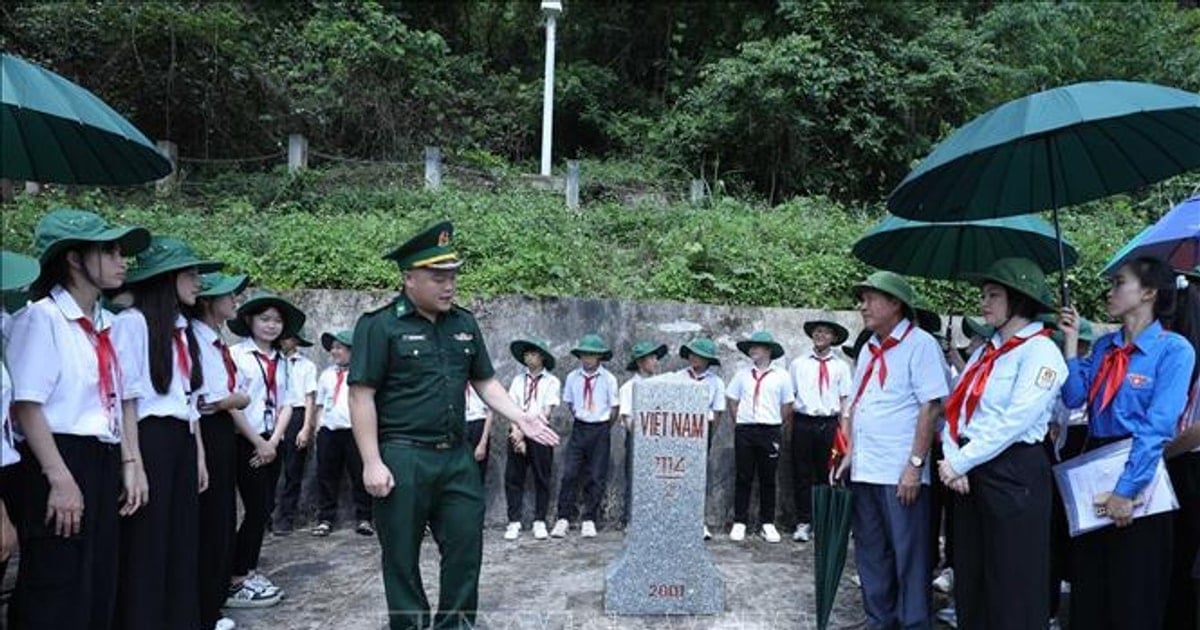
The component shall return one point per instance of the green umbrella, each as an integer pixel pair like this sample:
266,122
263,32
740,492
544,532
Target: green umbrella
1053,149
52,130
950,250
832,509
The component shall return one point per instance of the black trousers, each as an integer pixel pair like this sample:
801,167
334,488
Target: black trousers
1122,576
1002,532
539,458
254,486
286,491
941,503
337,453
1181,607
812,440
218,515
587,452
68,583
472,436
627,511
756,455
159,562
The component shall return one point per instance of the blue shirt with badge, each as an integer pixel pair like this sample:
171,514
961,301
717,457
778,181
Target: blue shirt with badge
1148,403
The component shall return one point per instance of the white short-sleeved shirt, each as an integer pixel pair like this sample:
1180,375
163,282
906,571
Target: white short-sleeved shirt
8,444
216,376
811,400
474,409
336,413
547,391
52,362
625,395
774,388
604,395
885,418
302,378
255,369
712,380
1017,402
131,338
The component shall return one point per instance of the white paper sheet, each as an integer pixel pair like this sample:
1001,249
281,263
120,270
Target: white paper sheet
1082,478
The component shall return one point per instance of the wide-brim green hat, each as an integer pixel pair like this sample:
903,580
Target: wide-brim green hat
927,319
840,334
890,283
761,338
293,317
432,248
215,284
1086,331
301,338
344,337
592,344
165,255
64,229
1021,275
861,340
519,347
17,271
644,349
976,327
702,347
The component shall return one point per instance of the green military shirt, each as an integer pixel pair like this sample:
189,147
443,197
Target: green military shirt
419,369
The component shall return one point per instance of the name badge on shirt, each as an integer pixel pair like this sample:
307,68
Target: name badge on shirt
462,336
1045,378
1139,381
413,337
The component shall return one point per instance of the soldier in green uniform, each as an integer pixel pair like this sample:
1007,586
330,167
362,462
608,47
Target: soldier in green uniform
412,361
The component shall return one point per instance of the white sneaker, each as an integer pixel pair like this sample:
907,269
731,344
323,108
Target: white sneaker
588,530
944,582
539,530
707,534
738,533
803,533
260,583
948,616
513,531
560,528
245,596
770,533
225,624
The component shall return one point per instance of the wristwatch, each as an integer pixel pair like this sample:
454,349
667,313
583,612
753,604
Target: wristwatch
916,461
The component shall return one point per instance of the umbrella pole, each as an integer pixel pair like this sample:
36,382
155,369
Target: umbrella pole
1062,262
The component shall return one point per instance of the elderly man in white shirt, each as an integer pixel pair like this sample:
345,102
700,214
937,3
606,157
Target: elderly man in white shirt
899,381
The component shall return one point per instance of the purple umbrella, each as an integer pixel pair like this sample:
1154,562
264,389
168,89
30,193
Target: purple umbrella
1175,239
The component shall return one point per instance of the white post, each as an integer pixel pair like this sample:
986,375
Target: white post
572,184
551,10
33,188
433,168
297,152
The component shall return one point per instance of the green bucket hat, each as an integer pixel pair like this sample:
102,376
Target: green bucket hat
17,271
644,349
702,347
432,248
293,318
927,319
890,283
761,338
840,334
164,255
852,350
976,327
66,228
519,347
344,337
592,344
214,285
300,336
1086,331
1021,275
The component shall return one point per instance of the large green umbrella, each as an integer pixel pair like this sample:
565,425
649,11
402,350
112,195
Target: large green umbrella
832,509
1053,149
952,249
52,130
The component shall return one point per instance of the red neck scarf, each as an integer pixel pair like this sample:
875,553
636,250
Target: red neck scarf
109,371
1112,372
877,356
970,387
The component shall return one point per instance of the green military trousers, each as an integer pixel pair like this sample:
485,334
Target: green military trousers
441,488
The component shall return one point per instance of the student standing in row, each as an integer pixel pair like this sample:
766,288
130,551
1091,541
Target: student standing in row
336,451
533,390
821,382
293,448
1135,386
163,380
591,394
479,429
701,355
75,459
996,419
760,396
16,273
224,395
262,320
643,362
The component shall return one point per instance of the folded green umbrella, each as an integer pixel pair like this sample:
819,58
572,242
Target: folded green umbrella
832,509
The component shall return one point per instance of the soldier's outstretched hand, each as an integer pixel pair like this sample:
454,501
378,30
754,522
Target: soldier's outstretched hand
534,426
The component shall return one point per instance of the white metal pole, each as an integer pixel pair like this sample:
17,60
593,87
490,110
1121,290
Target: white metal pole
548,95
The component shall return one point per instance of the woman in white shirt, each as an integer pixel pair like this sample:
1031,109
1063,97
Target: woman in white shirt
67,393
163,379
